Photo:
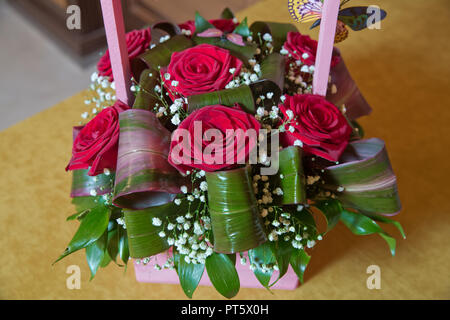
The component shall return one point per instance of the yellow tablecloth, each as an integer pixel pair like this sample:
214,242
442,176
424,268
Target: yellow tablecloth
403,70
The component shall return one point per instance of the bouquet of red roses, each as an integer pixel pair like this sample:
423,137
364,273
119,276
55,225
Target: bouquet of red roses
224,151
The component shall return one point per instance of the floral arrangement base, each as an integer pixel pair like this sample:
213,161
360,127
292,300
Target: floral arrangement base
147,273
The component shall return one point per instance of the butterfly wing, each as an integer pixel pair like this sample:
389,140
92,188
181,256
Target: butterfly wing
305,10
356,17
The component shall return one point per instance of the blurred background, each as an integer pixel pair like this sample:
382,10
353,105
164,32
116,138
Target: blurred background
35,39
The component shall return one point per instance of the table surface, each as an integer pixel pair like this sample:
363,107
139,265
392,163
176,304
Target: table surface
403,71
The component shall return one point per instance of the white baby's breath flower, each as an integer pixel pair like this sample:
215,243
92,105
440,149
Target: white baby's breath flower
283,51
177,202
204,186
290,114
156,222
232,70
267,37
176,119
174,83
298,143
84,115
254,77
162,234
305,69
260,111
167,76
305,56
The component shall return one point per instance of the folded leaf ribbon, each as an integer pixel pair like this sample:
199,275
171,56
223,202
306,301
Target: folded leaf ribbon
235,218
291,177
364,179
144,178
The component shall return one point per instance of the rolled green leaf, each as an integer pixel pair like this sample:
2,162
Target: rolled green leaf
145,67
244,95
83,185
146,97
292,182
278,31
144,178
143,238
273,68
171,29
243,53
364,179
95,253
235,219
347,92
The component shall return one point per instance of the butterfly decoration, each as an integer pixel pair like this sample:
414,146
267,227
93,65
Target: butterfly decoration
354,17
216,33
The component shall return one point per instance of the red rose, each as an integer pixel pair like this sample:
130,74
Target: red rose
297,44
213,138
203,68
317,123
225,25
137,42
96,144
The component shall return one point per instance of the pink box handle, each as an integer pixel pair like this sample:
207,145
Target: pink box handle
325,47
118,52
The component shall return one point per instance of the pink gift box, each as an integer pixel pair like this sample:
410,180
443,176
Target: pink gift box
148,273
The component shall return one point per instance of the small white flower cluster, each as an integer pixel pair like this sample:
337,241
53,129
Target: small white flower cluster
245,77
121,222
164,38
265,196
169,264
186,32
265,268
102,95
188,235
266,42
297,69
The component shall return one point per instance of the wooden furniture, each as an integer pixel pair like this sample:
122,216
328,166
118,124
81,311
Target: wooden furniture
82,45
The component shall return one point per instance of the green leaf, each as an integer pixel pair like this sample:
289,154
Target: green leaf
78,215
331,209
244,53
293,182
259,256
277,30
366,178
95,253
223,274
201,24
359,224
189,274
282,251
307,219
237,225
124,252
227,14
143,238
245,96
384,219
91,228
243,29
113,242
87,203
273,68
299,261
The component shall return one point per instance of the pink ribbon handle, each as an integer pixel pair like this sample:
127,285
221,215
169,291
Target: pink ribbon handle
115,36
325,47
